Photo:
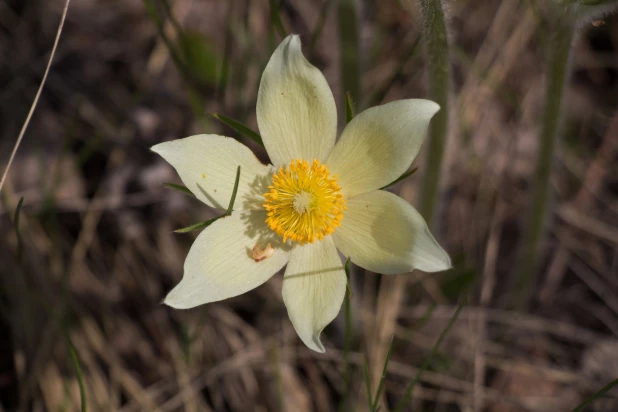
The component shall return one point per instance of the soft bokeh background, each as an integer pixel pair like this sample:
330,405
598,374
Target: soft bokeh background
97,252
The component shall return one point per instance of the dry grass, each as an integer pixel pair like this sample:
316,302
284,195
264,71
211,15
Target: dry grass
99,252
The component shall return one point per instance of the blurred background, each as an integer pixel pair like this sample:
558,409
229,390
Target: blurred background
84,267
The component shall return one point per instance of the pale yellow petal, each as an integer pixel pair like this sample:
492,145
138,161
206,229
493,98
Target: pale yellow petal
379,144
296,111
207,165
220,263
383,233
313,289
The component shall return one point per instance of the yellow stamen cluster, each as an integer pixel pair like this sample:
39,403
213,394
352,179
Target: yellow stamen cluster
304,203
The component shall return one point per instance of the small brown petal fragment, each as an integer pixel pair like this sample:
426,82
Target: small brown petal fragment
258,254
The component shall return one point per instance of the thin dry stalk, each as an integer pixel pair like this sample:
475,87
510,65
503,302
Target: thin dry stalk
38,94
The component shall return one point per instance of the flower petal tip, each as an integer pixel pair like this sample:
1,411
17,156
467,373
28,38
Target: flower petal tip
174,303
156,148
442,266
316,344
431,107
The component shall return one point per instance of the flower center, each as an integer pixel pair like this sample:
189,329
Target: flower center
304,203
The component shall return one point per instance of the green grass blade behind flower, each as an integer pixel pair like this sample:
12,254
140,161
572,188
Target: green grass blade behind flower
400,178
228,212
436,45
200,225
201,59
58,320
154,15
180,188
240,128
349,47
223,75
319,26
367,382
559,49
376,398
350,112
78,372
347,274
170,15
424,319
198,55
185,72
597,395
347,338
434,351
230,207
20,249
275,18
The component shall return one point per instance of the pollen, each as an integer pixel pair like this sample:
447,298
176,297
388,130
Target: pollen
304,203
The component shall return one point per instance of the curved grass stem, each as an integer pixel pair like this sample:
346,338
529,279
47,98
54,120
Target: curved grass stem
436,45
559,47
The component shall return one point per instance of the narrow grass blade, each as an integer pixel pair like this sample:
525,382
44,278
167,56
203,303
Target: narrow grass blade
559,51
230,207
154,15
78,372
197,226
349,44
349,108
367,383
400,178
209,222
319,26
275,18
180,188
185,342
347,339
224,70
347,275
597,395
436,45
20,250
423,320
170,15
376,398
240,128
408,392
200,58
190,82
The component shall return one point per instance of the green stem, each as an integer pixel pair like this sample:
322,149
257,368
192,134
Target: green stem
319,26
436,44
349,45
347,341
557,73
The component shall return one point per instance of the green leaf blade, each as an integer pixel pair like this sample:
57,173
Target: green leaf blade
595,396
350,111
180,188
434,351
20,248
199,225
400,178
240,128
230,207
376,398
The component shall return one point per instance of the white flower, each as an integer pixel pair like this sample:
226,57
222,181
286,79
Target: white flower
319,197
